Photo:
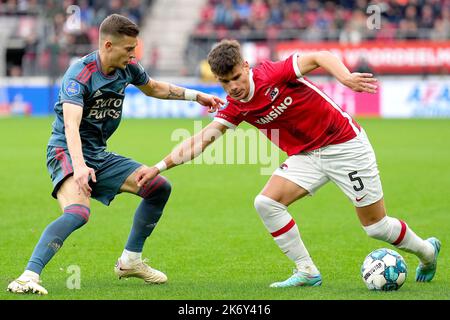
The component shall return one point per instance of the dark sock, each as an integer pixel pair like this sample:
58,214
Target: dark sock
155,195
53,237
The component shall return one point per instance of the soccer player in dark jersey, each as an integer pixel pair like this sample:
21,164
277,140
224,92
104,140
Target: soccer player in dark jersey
323,144
88,111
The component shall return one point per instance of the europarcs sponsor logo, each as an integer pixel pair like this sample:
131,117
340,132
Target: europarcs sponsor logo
102,108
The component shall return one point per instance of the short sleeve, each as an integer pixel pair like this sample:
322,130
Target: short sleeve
229,116
139,75
284,70
72,91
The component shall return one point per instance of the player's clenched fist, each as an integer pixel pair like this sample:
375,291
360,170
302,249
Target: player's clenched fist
145,174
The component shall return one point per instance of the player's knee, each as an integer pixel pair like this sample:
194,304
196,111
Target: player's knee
164,189
167,187
267,207
160,189
160,192
77,214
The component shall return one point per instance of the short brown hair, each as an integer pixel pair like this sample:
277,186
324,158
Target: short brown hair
224,57
118,25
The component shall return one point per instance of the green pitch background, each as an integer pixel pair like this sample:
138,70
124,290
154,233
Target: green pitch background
210,241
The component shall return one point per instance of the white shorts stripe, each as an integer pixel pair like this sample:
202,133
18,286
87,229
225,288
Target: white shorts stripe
342,112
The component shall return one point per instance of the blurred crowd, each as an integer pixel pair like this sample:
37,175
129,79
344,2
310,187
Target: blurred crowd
55,31
313,20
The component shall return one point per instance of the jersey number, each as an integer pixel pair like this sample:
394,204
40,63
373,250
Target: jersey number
352,177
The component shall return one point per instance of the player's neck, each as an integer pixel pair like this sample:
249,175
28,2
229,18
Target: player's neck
107,68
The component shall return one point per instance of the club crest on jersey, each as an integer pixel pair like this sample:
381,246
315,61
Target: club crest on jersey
284,166
73,88
225,105
274,93
276,111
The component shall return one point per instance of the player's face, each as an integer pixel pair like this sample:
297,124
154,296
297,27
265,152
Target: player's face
236,83
122,51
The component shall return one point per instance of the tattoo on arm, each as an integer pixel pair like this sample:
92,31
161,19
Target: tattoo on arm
175,93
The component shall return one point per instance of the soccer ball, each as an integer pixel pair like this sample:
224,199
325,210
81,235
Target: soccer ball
384,269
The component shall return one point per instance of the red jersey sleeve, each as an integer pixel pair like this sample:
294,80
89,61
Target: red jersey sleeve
282,71
229,115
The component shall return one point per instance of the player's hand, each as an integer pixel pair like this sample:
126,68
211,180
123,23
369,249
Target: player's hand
145,174
212,102
81,176
361,82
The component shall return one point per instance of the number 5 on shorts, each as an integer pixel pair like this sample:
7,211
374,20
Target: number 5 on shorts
352,177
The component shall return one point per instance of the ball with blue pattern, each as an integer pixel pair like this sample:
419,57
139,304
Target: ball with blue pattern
384,270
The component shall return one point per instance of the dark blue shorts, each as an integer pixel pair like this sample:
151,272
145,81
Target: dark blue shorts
111,171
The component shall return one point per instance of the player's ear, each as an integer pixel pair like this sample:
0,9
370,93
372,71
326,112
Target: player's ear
246,66
107,44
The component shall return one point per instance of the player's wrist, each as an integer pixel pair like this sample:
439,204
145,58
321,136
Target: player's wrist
191,95
161,166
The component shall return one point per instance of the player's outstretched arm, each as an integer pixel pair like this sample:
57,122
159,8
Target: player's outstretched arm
184,152
164,90
359,82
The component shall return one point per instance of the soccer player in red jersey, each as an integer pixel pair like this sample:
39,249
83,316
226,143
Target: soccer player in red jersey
322,141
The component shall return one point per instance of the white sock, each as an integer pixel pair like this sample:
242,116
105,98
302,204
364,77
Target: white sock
285,232
397,233
130,257
27,274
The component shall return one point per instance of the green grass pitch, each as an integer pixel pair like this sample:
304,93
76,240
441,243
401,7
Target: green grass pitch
210,241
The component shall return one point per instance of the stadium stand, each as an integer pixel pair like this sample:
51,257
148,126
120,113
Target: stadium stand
42,36
37,38
343,20
340,21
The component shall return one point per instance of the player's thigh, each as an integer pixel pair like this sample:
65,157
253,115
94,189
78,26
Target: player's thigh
352,166
130,184
65,189
111,175
298,176
283,190
69,193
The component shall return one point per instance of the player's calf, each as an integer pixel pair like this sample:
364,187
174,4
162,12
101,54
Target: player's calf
397,233
285,232
155,196
53,237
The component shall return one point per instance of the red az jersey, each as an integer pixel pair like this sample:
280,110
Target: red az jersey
289,109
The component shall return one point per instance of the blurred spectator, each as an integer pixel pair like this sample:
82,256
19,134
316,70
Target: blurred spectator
363,66
67,32
15,71
323,20
206,74
225,15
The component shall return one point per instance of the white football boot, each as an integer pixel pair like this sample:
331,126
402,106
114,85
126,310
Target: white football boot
27,284
140,270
